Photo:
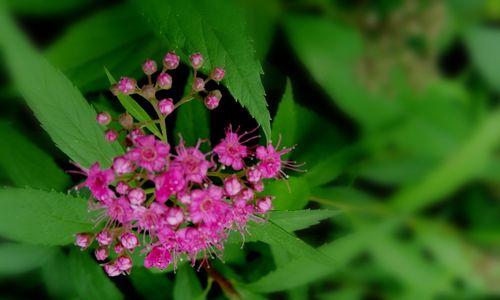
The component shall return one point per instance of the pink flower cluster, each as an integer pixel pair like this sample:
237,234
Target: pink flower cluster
175,202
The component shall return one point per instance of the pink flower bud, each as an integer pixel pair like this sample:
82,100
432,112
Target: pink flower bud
129,240
126,85
122,166
111,135
232,186
164,81
126,121
196,60
112,270
245,195
217,74
83,240
175,216
103,118
118,248
149,67
101,253
148,91
258,186
253,175
122,188
124,263
134,134
264,204
211,101
104,238
136,197
166,106
184,198
171,60
198,84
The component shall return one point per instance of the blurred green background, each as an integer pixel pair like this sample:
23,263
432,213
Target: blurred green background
393,105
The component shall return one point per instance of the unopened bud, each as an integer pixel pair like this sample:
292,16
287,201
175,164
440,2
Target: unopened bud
149,67
126,121
171,60
212,100
217,74
127,85
103,118
164,81
196,60
198,84
111,135
148,91
166,106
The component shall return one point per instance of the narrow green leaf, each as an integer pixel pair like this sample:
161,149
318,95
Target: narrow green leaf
58,105
18,258
216,30
455,170
285,122
300,219
133,108
187,286
39,217
151,286
89,278
26,164
192,122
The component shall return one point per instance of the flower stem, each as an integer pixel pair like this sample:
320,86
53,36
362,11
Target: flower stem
226,286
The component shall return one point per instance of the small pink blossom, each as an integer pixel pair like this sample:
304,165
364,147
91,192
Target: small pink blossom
198,84
118,248
98,182
122,188
83,240
129,240
211,101
175,216
149,67
232,186
119,210
207,205
270,160
104,238
150,153
122,166
103,118
124,263
196,60
171,60
164,81
193,163
127,85
136,196
217,74
166,106
111,135
264,204
231,151
253,175
170,183
112,269
158,257
101,253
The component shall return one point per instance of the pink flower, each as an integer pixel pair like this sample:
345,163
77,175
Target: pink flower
104,238
196,60
136,196
253,175
83,240
193,163
118,248
171,60
124,263
208,206
217,74
122,188
111,135
231,151
126,85
175,216
198,84
149,67
101,253
122,166
212,101
103,118
241,212
270,160
166,106
245,195
119,210
190,240
158,257
112,269
264,204
170,183
129,240
98,182
232,185
149,153
164,81
150,219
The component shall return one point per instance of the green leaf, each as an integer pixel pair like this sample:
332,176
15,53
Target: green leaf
58,105
187,286
330,52
456,170
290,194
216,30
133,108
114,37
151,286
20,258
192,122
39,217
483,44
56,275
41,7
300,219
285,122
26,164
89,278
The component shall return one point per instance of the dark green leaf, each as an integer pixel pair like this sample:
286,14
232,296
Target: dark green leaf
192,122
187,286
19,258
57,277
41,7
285,121
151,286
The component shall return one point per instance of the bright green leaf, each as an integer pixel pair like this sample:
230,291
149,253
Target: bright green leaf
285,121
300,219
290,194
187,286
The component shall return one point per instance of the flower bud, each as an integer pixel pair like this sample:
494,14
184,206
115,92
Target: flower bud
245,195
83,240
136,197
122,188
148,91
149,67
196,60
124,263
164,81
118,248
217,74
126,121
166,106
232,186
126,85
112,270
212,100
198,84
253,175
171,60
114,89
258,186
264,204
103,118
111,135
101,253
104,238
122,166
129,240
175,216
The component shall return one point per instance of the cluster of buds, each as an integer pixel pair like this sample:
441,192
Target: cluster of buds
181,201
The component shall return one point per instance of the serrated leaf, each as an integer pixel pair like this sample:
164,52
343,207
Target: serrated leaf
26,164
215,29
39,217
192,122
115,37
19,258
285,122
58,105
290,194
89,278
187,286
300,219
133,108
